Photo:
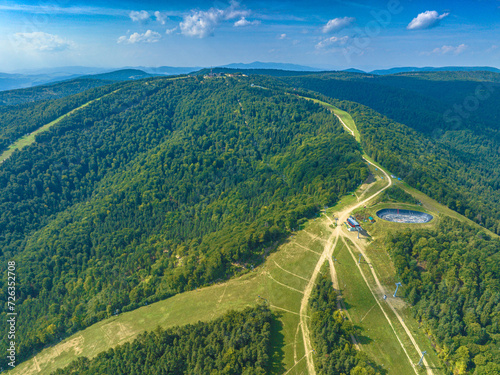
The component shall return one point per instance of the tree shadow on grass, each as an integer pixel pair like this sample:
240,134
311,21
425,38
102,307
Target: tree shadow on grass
346,305
361,335
363,339
379,369
277,355
364,233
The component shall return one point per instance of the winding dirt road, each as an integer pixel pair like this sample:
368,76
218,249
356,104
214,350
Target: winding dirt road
377,290
326,256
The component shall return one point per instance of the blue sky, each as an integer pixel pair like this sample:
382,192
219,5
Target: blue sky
325,34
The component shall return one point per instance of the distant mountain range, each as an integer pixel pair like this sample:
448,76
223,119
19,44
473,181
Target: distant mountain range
432,69
36,77
20,81
302,68
352,70
121,75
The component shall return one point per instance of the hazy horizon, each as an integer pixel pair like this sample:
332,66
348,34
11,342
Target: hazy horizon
29,71
326,35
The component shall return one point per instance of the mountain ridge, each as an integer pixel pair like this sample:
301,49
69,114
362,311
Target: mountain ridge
35,77
409,69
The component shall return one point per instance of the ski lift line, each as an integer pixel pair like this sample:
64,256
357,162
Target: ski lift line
381,308
422,358
291,273
398,316
288,311
364,316
291,368
286,286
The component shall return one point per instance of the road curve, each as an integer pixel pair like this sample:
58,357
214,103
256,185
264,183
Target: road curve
326,256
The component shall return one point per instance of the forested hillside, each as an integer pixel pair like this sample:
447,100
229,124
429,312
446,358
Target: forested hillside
49,92
466,182
457,164
236,344
20,119
407,107
451,276
424,101
158,188
164,185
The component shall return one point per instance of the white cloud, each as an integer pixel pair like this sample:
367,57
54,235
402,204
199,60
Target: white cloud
141,16
282,36
42,42
338,24
148,37
332,41
171,31
445,50
244,22
161,17
203,23
426,20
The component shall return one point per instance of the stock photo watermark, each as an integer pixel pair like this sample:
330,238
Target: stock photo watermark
31,29
363,36
471,103
11,313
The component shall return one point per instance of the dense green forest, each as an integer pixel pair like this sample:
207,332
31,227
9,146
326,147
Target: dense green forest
455,162
49,92
21,119
236,344
331,332
462,181
450,89
396,194
450,275
424,101
159,188
401,105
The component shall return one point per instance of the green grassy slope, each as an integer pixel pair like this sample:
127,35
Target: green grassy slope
236,343
278,282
